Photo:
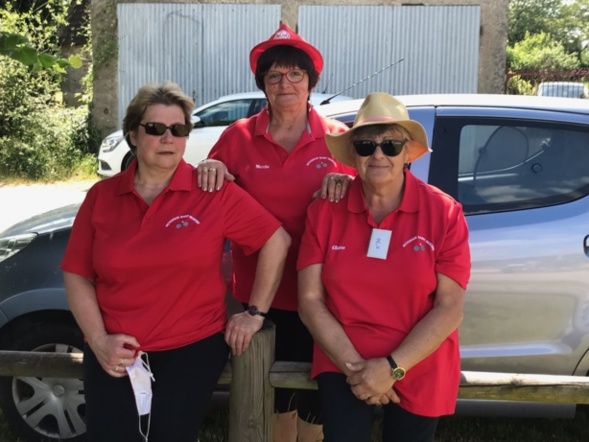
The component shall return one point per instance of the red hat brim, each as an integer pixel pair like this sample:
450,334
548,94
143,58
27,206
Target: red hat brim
296,42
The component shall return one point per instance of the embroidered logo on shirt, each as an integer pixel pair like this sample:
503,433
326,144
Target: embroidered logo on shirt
336,247
181,221
262,166
419,243
320,162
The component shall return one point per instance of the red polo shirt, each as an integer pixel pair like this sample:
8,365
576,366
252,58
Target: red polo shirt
282,182
378,301
158,267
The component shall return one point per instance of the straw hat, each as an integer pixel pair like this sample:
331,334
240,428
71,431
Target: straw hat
286,36
379,108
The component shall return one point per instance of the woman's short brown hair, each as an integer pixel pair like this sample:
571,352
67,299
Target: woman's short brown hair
288,57
167,93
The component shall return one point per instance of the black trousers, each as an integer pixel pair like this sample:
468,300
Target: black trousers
184,382
348,419
294,343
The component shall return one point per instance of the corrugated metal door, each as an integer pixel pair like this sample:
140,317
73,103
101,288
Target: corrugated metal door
203,48
439,46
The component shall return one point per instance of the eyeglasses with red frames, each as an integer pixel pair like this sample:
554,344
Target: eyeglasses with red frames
158,129
293,76
391,148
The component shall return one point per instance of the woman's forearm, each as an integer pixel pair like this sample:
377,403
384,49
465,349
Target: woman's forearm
323,326
269,270
81,296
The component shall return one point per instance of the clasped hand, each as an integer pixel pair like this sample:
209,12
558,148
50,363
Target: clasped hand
371,381
240,330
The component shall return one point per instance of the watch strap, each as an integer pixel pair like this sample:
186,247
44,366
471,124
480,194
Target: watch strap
254,311
391,362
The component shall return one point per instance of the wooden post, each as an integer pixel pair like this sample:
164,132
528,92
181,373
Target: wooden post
251,398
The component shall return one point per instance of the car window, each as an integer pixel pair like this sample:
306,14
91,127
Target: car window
223,114
505,165
258,105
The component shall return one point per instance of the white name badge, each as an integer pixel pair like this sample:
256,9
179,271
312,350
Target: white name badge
379,243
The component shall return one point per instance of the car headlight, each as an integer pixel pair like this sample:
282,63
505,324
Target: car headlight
110,143
14,244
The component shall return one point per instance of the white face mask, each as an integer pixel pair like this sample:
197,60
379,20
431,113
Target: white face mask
141,377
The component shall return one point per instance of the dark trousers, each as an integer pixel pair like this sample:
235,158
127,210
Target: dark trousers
348,419
294,343
184,382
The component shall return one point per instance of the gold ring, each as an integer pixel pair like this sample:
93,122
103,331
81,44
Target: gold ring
212,169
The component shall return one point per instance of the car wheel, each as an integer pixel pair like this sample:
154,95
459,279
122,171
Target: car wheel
127,161
45,409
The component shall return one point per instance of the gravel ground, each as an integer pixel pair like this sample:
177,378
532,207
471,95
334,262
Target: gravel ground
19,202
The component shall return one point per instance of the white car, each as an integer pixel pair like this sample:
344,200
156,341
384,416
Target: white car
209,122
567,89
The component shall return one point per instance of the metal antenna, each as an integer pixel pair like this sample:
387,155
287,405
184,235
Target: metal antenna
327,100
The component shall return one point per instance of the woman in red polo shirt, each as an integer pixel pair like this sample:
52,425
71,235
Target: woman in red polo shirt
143,279
280,157
382,277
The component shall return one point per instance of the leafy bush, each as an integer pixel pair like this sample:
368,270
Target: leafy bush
518,86
40,138
539,52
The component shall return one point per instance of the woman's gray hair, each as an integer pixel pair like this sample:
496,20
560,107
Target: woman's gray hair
168,94
378,129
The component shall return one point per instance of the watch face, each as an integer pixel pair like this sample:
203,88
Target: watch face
253,310
398,373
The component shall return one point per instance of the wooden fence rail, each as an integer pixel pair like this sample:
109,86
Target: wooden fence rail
253,376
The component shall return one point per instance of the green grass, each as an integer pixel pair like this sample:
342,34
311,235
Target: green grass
451,429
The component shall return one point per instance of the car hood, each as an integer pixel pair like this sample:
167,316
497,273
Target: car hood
47,222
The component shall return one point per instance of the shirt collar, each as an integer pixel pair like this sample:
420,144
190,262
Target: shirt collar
409,201
316,127
181,180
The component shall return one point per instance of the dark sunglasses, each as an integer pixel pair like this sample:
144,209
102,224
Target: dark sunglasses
178,130
391,148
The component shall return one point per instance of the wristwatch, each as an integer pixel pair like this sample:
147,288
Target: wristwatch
253,311
397,372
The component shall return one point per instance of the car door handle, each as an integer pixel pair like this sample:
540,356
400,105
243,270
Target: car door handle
586,246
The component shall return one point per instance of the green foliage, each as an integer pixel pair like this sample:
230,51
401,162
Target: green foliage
565,22
40,138
532,17
539,52
519,86
18,48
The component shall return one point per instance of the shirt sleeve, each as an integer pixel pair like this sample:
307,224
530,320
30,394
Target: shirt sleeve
453,259
78,253
311,250
246,222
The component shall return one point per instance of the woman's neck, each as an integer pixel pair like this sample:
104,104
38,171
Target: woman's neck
382,200
286,128
150,183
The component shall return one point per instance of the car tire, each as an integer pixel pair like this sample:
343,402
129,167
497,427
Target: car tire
45,409
127,161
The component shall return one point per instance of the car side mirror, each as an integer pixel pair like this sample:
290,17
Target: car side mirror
197,122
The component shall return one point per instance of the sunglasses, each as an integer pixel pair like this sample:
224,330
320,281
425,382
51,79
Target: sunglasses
294,76
178,130
391,148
